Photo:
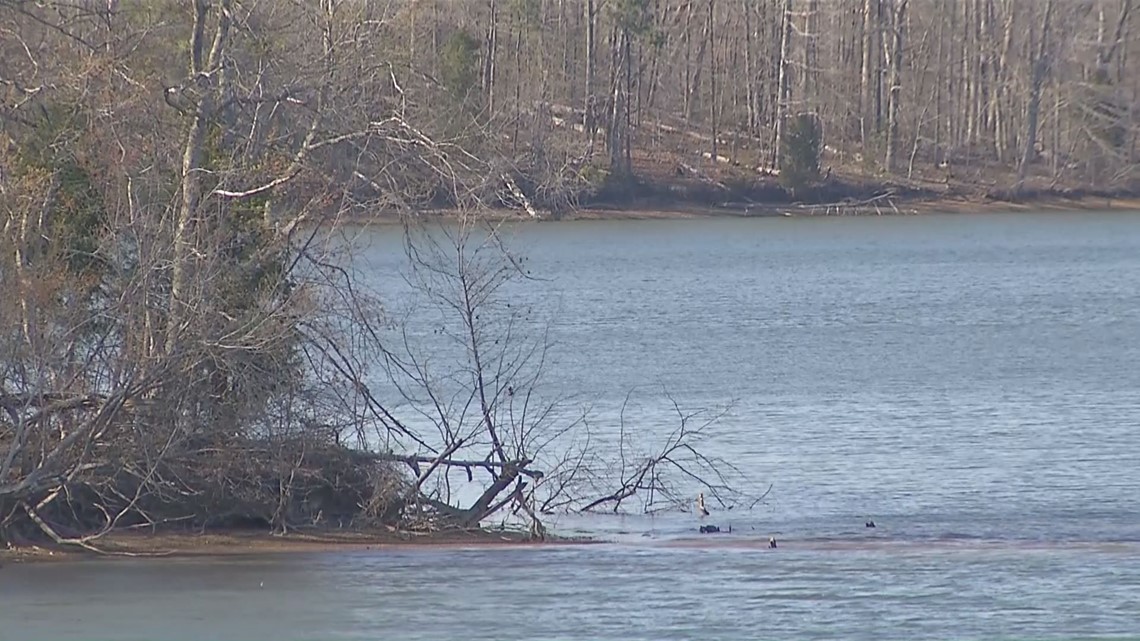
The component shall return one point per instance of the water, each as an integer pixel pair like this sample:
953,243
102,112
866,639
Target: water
968,382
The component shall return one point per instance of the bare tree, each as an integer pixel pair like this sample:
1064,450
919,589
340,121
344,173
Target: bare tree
487,418
893,54
1040,67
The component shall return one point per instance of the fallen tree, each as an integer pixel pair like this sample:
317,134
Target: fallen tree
485,416
329,452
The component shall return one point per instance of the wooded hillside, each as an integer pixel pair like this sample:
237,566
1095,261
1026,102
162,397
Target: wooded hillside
943,89
556,103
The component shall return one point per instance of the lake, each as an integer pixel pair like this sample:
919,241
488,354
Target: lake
968,382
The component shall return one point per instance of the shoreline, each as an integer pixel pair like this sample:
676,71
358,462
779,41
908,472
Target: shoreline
221,544
256,544
687,210
898,208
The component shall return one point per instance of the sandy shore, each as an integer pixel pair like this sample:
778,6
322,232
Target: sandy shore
217,544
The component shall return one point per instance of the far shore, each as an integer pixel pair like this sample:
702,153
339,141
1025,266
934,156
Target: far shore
903,206
255,543
900,207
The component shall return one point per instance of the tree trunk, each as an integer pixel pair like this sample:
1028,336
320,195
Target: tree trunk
712,80
985,38
894,60
969,86
693,90
435,37
1106,51
685,107
810,38
749,81
782,80
518,86
977,106
590,108
870,71
489,61
1040,69
191,180
590,46
627,126
616,113
939,83
1001,89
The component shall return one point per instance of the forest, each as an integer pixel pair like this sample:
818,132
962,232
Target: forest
568,103
1013,95
184,339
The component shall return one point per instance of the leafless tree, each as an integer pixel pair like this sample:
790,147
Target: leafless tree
474,384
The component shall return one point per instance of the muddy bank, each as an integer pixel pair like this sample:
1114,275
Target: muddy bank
859,201
892,208
842,193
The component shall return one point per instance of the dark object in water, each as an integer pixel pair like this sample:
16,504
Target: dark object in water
869,524
772,542
709,529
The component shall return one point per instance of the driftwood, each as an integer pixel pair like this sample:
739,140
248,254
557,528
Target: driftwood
513,187
840,208
704,177
415,462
